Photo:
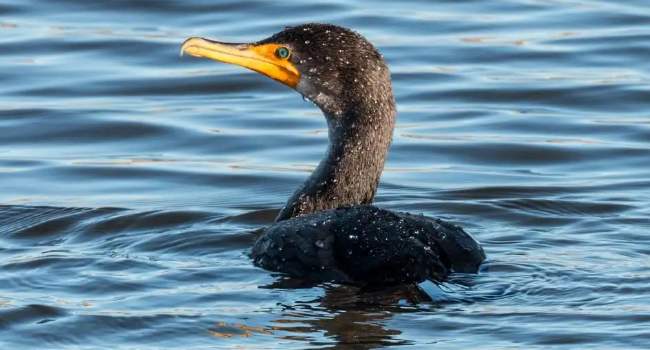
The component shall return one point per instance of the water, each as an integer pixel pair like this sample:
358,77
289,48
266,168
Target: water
131,179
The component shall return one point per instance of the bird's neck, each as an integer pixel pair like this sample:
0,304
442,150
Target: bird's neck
350,171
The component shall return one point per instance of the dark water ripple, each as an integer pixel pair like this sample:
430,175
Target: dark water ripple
132,182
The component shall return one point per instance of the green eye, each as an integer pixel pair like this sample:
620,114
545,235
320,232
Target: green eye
282,52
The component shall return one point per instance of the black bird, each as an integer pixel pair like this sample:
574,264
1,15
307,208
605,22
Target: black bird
328,230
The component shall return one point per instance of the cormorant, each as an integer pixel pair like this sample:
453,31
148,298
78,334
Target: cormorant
328,230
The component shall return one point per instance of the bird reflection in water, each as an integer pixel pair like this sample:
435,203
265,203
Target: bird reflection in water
343,316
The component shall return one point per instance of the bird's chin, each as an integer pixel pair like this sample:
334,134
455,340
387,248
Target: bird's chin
320,97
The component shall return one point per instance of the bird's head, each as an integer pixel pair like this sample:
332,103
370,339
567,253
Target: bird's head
334,67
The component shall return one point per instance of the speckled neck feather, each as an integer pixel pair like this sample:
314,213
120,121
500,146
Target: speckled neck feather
346,77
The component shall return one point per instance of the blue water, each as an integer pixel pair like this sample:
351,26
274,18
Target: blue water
131,179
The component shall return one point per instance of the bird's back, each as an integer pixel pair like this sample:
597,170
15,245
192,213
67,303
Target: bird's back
363,244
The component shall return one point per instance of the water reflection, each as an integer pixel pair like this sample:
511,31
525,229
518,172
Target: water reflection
349,316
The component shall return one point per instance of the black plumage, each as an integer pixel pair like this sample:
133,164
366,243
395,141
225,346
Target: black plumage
328,231
363,244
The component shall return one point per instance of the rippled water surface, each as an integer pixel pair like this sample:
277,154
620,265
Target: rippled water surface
131,179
